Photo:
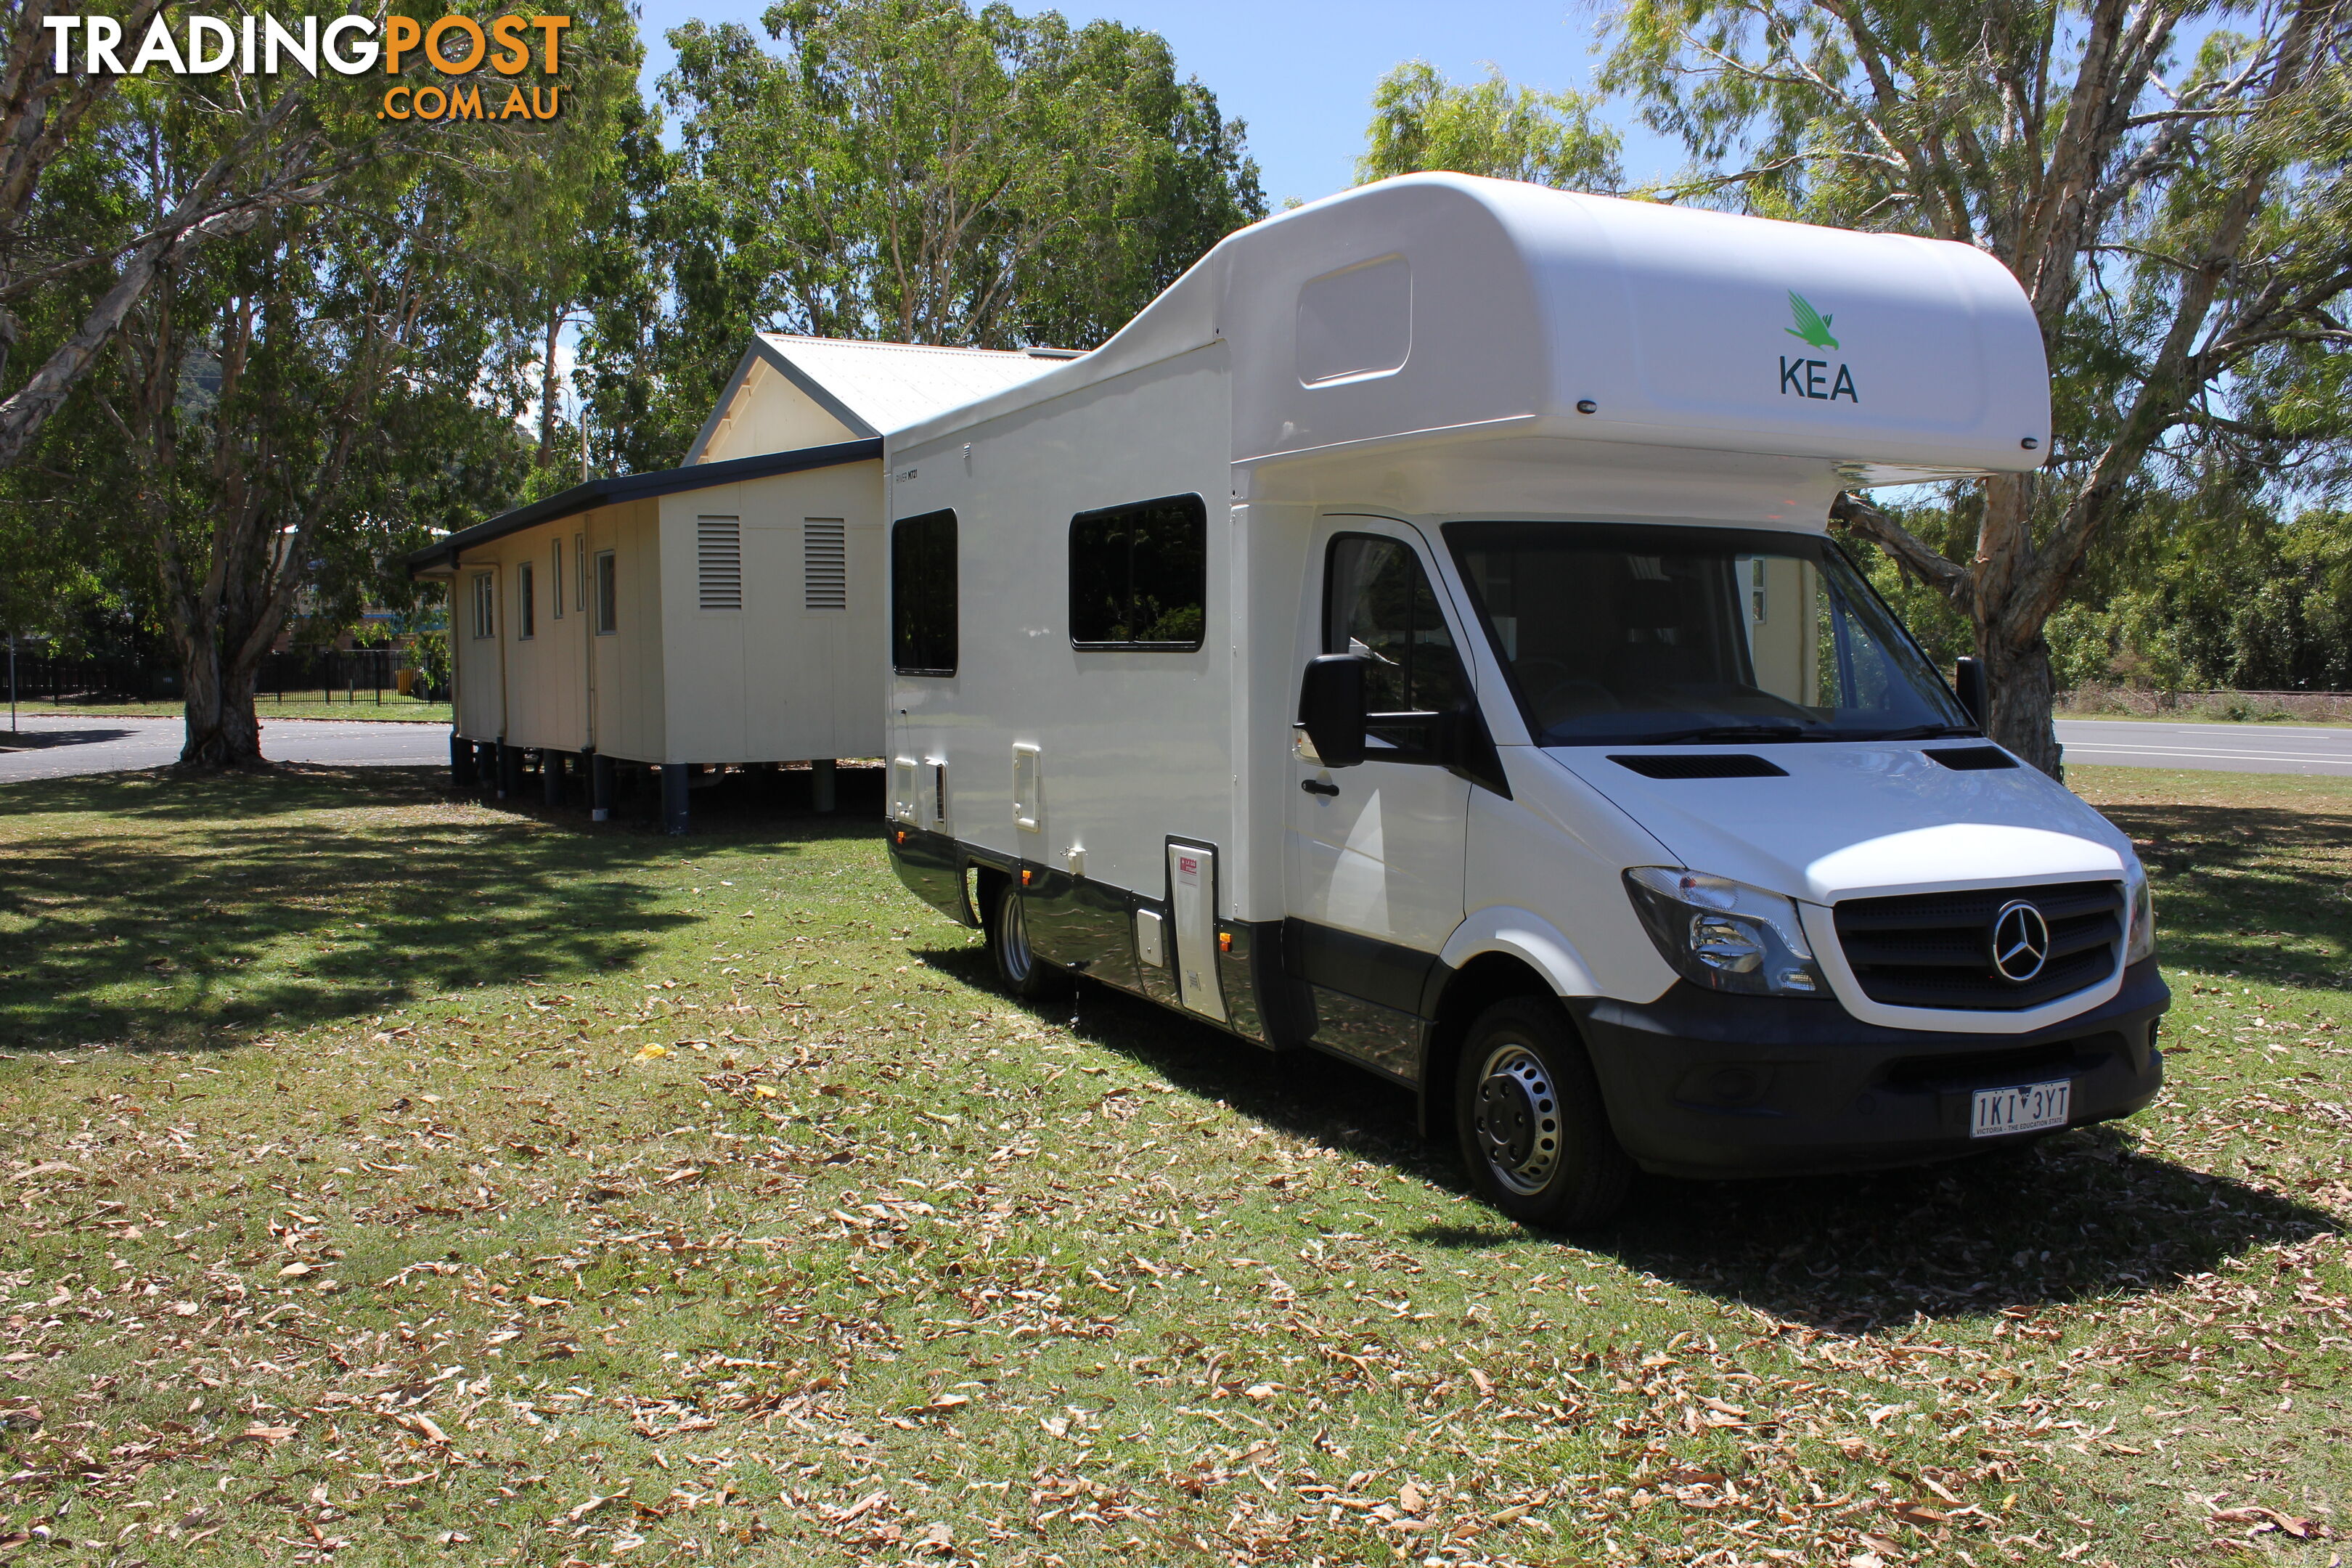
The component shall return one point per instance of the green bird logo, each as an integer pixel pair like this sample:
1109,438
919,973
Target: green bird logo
1812,325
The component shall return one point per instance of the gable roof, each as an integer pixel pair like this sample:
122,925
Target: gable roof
442,553
872,389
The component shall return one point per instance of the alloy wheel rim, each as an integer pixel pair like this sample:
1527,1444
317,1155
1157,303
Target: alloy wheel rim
1518,1118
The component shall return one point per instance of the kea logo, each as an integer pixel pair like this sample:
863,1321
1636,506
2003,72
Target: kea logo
1813,327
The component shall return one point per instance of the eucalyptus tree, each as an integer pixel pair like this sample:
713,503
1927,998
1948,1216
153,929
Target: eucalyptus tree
1421,121
917,171
284,410
2166,179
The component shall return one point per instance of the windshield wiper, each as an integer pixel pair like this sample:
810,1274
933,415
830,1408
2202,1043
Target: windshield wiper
1922,733
1709,733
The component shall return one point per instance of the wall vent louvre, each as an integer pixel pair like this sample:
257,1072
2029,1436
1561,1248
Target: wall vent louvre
825,561
718,561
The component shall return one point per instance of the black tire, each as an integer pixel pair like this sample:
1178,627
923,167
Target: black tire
1018,968
1528,1111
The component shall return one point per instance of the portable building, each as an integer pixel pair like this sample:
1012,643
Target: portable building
724,613
1416,636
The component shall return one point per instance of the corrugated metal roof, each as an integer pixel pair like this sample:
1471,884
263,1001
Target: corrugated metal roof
891,385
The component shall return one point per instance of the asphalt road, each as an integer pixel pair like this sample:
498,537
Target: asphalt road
2219,748
54,746
50,746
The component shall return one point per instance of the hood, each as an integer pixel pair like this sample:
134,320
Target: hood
1860,818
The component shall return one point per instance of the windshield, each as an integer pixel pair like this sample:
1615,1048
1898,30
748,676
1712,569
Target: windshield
1656,634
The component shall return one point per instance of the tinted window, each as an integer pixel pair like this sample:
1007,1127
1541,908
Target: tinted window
1617,633
1139,575
923,595
523,590
1379,606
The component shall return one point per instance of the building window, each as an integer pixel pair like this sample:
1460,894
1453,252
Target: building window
1139,575
608,595
923,595
525,610
555,579
486,605
824,564
718,561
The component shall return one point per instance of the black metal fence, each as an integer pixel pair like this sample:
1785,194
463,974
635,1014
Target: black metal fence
369,675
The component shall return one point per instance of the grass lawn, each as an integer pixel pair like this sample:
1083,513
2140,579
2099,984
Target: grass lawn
394,707
395,1179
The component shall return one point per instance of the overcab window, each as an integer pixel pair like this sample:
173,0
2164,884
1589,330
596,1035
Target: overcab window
923,595
1139,575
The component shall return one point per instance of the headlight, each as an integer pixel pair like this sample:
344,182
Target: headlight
2139,933
1725,935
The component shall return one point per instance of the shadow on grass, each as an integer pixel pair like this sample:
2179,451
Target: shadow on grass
2077,1216
2249,889
294,896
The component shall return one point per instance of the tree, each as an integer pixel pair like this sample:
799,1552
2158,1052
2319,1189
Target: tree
276,148
282,413
1421,121
914,171
2176,213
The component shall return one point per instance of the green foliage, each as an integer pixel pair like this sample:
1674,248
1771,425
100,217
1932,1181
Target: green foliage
2176,214
911,171
1421,121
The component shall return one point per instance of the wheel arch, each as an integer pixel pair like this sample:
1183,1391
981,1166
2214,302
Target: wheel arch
1489,977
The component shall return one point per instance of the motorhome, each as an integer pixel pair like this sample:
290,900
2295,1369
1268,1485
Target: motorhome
1416,637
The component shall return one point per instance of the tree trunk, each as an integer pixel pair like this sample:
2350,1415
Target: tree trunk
2020,694
547,389
223,730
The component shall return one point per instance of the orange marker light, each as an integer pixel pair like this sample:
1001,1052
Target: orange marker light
1225,942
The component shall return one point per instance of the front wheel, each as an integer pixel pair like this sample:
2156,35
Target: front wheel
1018,967
1529,1113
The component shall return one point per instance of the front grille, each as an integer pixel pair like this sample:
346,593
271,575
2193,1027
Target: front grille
1935,950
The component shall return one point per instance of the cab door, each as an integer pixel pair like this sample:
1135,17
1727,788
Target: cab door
1376,851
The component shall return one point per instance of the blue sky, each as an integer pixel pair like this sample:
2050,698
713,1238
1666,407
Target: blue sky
1301,72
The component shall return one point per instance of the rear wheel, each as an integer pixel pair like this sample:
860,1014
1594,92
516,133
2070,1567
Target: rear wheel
1018,967
1529,1113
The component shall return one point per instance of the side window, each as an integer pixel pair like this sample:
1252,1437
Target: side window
1378,604
555,579
608,593
923,595
1139,575
526,609
486,605
580,564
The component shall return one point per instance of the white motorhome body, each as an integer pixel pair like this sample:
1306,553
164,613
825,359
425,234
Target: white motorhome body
1503,452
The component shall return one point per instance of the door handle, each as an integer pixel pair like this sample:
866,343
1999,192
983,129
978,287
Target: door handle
1316,786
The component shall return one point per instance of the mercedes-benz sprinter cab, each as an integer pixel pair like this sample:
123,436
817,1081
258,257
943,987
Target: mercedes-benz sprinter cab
1416,638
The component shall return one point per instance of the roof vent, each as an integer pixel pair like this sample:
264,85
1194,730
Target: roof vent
1974,759
1686,765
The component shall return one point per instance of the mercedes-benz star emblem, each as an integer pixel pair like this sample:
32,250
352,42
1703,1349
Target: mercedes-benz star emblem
2021,942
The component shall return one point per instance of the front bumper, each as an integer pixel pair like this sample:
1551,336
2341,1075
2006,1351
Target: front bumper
1702,1084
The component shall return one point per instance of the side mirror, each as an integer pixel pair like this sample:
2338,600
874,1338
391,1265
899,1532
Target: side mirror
1968,686
1331,709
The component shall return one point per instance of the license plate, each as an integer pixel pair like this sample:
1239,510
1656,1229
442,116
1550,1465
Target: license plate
2029,1109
